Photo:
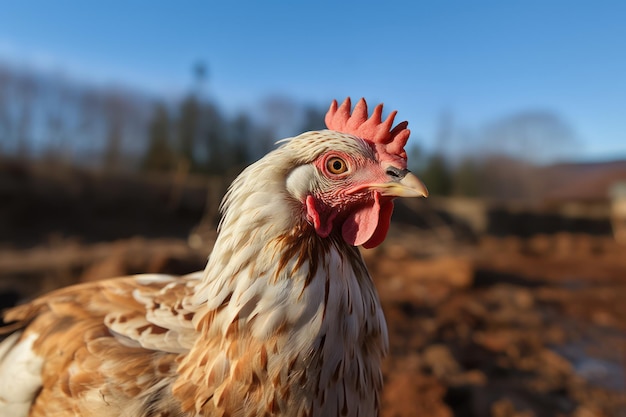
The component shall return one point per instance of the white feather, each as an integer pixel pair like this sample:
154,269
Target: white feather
20,374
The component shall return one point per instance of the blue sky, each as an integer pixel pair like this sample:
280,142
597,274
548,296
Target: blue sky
477,60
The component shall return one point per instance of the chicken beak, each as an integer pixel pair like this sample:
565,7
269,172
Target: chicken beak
405,185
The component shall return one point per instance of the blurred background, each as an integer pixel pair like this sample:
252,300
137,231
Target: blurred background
122,124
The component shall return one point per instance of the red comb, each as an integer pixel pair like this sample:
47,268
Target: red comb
389,143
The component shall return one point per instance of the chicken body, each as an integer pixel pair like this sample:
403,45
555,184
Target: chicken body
284,321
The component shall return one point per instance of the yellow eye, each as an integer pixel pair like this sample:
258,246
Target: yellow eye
336,165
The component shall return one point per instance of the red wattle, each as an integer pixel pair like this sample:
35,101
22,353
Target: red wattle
384,219
361,224
368,225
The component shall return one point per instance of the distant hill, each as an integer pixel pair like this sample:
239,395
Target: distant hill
582,181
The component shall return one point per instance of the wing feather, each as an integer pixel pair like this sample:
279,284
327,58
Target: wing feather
162,321
117,338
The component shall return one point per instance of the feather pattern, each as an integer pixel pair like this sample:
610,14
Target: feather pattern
283,321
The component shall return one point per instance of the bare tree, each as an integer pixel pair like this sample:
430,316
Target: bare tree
242,132
188,129
5,120
159,155
514,145
215,140
312,119
55,107
535,136
120,113
280,113
26,93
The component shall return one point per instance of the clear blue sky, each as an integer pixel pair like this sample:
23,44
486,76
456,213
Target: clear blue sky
477,60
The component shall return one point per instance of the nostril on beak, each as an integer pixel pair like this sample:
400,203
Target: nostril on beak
396,173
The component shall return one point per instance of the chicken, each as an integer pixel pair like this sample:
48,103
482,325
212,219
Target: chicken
284,320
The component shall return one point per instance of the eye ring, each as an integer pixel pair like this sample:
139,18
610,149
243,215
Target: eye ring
336,165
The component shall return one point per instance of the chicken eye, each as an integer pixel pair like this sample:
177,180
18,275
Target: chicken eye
336,165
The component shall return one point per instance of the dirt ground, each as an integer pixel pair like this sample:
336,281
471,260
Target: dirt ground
502,327
508,327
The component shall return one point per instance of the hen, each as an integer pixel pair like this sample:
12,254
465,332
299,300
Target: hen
284,321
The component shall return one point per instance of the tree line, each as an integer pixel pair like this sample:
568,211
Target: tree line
51,116
55,117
